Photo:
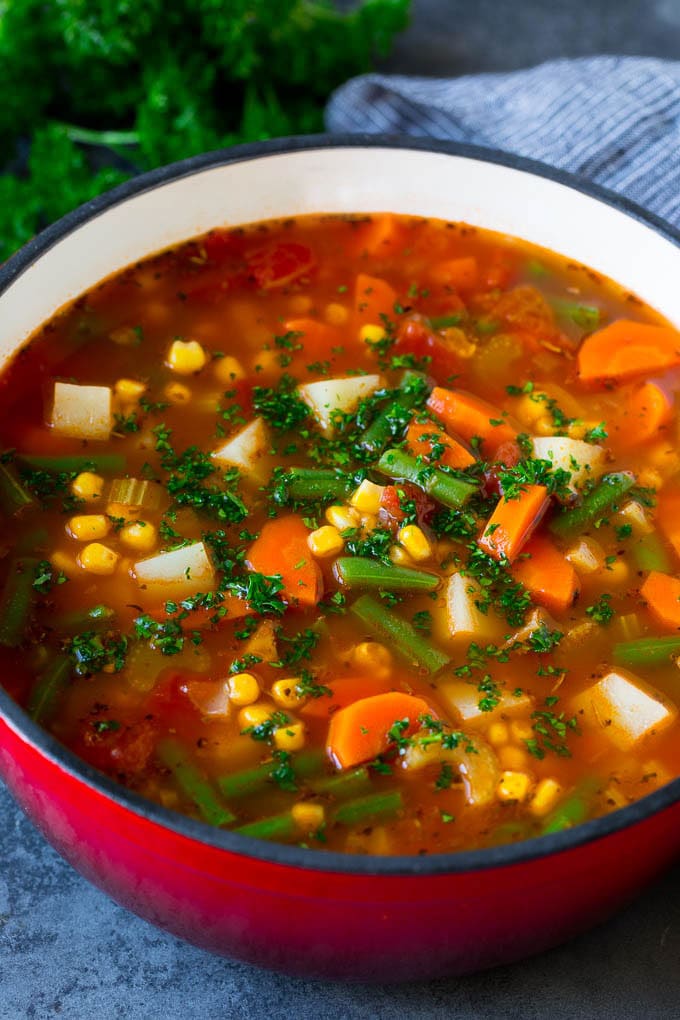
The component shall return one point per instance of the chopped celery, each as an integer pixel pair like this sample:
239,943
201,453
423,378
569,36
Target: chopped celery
136,492
651,554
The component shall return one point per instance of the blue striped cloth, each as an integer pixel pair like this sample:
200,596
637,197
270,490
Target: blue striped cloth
615,120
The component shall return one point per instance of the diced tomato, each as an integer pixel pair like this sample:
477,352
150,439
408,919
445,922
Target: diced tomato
220,245
275,266
391,512
415,338
123,752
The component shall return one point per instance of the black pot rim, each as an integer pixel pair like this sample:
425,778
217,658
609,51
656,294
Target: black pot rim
274,853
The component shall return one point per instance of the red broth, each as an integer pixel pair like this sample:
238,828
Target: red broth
355,532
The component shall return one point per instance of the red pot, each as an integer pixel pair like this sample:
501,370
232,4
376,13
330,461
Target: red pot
303,911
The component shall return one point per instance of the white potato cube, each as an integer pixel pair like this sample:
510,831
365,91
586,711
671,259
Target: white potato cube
329,395
245,449
460,616
178,573
83,412
581,460
626,709
462,699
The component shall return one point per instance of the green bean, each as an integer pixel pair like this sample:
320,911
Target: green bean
573,810
343,785
445,321
585,316
109,463
375,806
94,618
447,489
651,554
362,572
193,783
17,600
48,687
250,781
314,484
279,827
393,419
13,496
604,496
646,651
399,633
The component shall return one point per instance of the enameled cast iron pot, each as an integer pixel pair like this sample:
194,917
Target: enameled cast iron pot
302,911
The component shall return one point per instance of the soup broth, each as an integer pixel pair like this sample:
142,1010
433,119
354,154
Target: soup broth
360,533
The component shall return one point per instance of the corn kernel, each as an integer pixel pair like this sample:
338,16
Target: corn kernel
521,730
400,557
299,304
366,498
186,357
129,390
531,408
513,758
62,561
617,572
498,734
545,796
415,542
650,478
373,658
87,527
126,336
122,511
513,786
253,715
335,314
226,370
308,816
290,737
244,689
177,393
139,535
284,693
342,517
96,558
577,430
88,486
372,334
325,541
586,556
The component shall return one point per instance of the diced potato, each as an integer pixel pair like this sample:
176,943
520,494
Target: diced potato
83,412
460,616
463,700
175,574
586,555
330,395
634,513
537,620
245,449
581,460
627,709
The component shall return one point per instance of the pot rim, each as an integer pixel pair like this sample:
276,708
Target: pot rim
319,860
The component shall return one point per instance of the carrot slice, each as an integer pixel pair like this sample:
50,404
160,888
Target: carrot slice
421,437
282,549
647,410
372,298
625,349
668,516
345,690
547,575
360,732
512,523
469,416
461,273
661,592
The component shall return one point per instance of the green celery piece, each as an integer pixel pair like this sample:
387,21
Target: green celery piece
14,497
651,554
399,634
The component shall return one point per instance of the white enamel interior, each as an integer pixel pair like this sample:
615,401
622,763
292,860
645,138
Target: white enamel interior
345,179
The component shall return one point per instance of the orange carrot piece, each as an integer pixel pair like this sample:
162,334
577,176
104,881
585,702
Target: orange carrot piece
512,523
372,298
661,592
197,619
346,690
668,516
316,337
461,273
378,236
360,732
468,416
454,456
647,410
282,549
625,349
547,575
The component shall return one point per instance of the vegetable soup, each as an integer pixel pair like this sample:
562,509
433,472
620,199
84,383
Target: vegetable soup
360,533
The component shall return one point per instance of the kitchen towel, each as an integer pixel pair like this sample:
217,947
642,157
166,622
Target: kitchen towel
614,120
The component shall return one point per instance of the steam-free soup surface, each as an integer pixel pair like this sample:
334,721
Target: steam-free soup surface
360,533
